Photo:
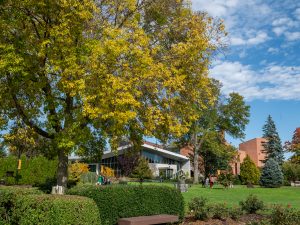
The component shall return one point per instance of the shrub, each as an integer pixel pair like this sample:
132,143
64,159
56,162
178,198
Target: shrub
34,171
198,207
76,170
284,216
291,171
202,211
219,211
249,172
8,197
119,201
89,178
235,213
271,174
252,204
56,209
225,179
30,206
237,180
142,170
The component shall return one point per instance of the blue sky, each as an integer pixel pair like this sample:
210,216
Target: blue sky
262,62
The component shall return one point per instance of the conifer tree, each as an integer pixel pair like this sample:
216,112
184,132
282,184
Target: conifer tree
142,170
272,147
249,172
271,174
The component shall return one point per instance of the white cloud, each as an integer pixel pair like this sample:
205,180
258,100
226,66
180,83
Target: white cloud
240,17
272,82
292,36
279,30
258,38
297,13
285,26
273,50
285,21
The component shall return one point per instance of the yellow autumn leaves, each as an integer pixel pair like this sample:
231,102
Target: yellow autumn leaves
118,66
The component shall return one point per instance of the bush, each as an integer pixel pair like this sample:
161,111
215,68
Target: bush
202,211
30,206
237,180
271,174
56,209
35,171
235,213
219,211
89,178
225,179
119,201
284,216
142,170
76,170
291,172
8,198
249,172
198,207
252,204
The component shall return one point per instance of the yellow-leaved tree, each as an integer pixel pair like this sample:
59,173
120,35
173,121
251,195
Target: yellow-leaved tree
80,72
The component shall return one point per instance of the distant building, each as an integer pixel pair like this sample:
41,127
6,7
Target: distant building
161,161
254,149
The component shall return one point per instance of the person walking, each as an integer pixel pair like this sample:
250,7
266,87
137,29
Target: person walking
211,182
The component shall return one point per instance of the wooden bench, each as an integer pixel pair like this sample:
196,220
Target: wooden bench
147,220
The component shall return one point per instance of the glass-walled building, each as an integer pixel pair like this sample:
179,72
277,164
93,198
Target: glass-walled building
162,162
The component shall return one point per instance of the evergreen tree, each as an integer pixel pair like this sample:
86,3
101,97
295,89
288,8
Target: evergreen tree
249,172
271,174
272,147
142,170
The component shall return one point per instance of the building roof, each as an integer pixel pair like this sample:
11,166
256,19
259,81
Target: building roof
155,148
150,147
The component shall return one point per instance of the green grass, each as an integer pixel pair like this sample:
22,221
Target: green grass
232,196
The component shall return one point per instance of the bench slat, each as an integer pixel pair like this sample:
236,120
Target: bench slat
148,220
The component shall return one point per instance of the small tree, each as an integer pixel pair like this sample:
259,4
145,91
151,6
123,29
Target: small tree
76,170
142,170
294,146
291,171
249,172
271,174
128,161
225,179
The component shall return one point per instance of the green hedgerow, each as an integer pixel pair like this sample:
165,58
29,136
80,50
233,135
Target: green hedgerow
30,206
120,201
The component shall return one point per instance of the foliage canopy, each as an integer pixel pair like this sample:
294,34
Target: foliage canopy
83,72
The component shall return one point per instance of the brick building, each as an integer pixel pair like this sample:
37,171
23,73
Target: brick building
254,148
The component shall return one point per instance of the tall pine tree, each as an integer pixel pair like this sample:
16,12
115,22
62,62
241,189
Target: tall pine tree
272,147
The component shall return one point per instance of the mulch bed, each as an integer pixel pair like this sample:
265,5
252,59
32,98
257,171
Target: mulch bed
242,220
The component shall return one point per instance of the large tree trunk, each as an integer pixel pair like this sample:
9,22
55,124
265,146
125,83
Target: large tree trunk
62,171
196,167
196,160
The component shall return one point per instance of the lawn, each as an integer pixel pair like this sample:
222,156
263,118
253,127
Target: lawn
232,196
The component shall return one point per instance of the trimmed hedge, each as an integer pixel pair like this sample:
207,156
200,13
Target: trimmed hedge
28,206
35,171
120,201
